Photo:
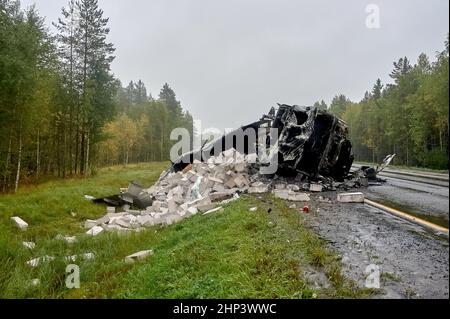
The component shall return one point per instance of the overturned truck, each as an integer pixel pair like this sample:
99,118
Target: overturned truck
310,144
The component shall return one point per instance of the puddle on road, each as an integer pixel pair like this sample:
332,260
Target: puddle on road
438,220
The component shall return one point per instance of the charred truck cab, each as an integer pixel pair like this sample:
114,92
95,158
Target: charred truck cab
311,144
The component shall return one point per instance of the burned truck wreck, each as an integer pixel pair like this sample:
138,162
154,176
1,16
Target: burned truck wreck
311,144
310,148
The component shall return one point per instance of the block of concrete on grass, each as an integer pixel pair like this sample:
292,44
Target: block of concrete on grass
205,207
104,220
88,224
351,198
173,219
116,228
74,258
67,239
138,256
20,223
123,222
95,231
33,263
29,245
215,210
316,188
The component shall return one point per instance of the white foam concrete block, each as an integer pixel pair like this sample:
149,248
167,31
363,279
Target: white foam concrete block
20,223
138,256
94,231
351,198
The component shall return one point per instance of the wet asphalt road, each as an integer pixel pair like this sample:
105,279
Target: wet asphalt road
413,262
430,202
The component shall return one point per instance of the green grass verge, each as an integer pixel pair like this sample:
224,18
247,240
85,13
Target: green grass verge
231,254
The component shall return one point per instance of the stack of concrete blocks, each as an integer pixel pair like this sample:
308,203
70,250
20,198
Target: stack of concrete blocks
198,189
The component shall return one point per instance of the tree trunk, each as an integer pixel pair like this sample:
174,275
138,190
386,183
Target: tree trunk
19,159
8,159
38,154
88,149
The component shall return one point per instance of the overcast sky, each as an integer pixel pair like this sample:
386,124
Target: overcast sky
230,61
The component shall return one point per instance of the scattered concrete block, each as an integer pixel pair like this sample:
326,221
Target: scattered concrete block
35,282
111,210
293,188
351,198
281,193
138,256
192,210
280,186
259,189
230,183
253,209
29,245
94,231
172,206
299,197
205,207
316,188
104,220
218,187
145,221
291,196
67,239
88,224
215,210
20,223
239,167
215,197
239,181
33,263
252,158
74,258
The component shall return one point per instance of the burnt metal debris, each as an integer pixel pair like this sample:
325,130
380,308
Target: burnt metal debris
312,144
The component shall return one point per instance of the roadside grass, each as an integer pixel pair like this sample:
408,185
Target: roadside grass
231,254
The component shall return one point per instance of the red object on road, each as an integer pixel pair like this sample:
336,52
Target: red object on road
306,209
